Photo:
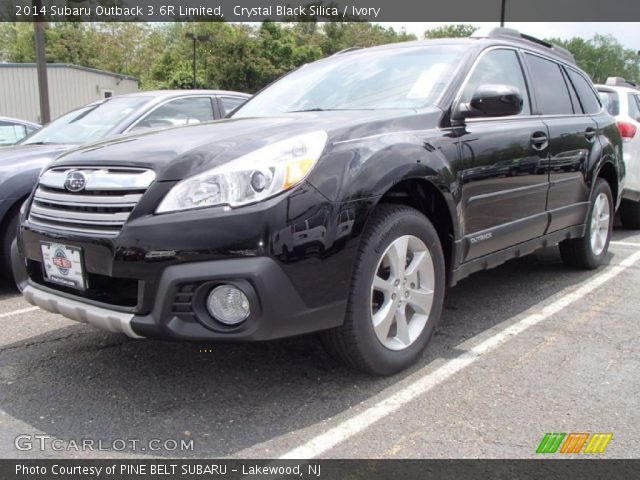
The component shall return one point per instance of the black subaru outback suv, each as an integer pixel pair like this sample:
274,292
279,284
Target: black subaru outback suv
342,199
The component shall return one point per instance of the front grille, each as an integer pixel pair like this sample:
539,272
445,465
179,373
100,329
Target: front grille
101,205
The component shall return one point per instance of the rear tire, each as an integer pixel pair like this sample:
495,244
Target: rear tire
8,235
402,294
630,214
589,251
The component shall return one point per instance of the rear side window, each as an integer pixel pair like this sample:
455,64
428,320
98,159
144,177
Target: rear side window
611,102
588,98
634,107
500,67
229,104
551,90
577,108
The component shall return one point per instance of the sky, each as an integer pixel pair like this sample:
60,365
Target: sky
627,33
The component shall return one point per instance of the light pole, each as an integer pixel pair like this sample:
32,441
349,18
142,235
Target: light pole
41,64
502,12
195,38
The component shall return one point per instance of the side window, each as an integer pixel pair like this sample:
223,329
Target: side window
610,102
11,133
634,106
588,98
229,104
551,89
182,111
498,67
577,106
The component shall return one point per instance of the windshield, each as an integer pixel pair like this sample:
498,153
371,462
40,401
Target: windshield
409,77
88,123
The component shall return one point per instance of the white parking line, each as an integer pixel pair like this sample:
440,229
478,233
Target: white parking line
425,382
625,244
18,312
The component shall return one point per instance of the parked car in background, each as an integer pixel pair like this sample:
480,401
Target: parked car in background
356,163
622,100
12,130
21,164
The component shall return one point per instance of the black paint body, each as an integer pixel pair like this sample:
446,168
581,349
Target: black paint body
490,194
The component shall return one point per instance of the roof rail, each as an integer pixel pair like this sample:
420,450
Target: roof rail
513,34
350,49
620,82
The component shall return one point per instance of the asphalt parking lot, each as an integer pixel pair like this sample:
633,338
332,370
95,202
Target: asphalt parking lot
528,348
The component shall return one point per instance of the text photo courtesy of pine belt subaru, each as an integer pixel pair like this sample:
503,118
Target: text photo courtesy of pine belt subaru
391,172
21,164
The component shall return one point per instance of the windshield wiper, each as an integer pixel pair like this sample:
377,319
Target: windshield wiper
316,109
42,143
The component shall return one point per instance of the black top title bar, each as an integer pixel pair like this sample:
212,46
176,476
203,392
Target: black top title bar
327,10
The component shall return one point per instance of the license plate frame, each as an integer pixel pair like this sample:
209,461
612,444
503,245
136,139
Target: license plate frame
63,265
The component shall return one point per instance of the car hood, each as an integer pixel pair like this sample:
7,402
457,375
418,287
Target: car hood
23,156
177,153
20,166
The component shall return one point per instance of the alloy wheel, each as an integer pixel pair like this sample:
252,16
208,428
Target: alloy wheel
600,223
402,292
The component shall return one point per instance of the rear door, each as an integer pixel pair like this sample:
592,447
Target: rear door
573,141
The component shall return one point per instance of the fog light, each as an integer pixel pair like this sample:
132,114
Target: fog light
228,304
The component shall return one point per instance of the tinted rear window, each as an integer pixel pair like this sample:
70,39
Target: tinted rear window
588,98
551,90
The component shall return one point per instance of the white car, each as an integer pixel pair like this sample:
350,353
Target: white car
622,100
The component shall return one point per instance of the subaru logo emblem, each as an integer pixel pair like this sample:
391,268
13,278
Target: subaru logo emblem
75,181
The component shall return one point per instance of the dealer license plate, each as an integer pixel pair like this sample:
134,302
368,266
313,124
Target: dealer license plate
63,265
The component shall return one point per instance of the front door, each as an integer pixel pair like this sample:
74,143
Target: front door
504,174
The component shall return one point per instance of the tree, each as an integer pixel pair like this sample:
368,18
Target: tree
451,31
336,36
603,56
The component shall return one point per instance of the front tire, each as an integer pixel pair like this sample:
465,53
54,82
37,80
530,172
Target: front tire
396,295
589,251
630,214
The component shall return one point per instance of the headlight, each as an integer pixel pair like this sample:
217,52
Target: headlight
251,178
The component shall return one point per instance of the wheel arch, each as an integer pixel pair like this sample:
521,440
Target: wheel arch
14,206
423,195
609,173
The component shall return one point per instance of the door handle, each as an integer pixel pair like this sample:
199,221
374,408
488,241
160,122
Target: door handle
590,134
539,141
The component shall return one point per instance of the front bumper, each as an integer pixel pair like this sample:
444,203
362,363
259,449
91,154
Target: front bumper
110,320
178,313
51,301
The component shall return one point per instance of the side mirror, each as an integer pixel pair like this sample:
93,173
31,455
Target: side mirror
492,101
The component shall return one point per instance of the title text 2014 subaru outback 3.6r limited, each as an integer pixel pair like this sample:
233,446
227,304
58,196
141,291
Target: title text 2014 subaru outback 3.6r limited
342,199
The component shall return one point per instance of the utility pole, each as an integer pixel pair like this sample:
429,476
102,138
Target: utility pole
203,38
41,64
502,12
